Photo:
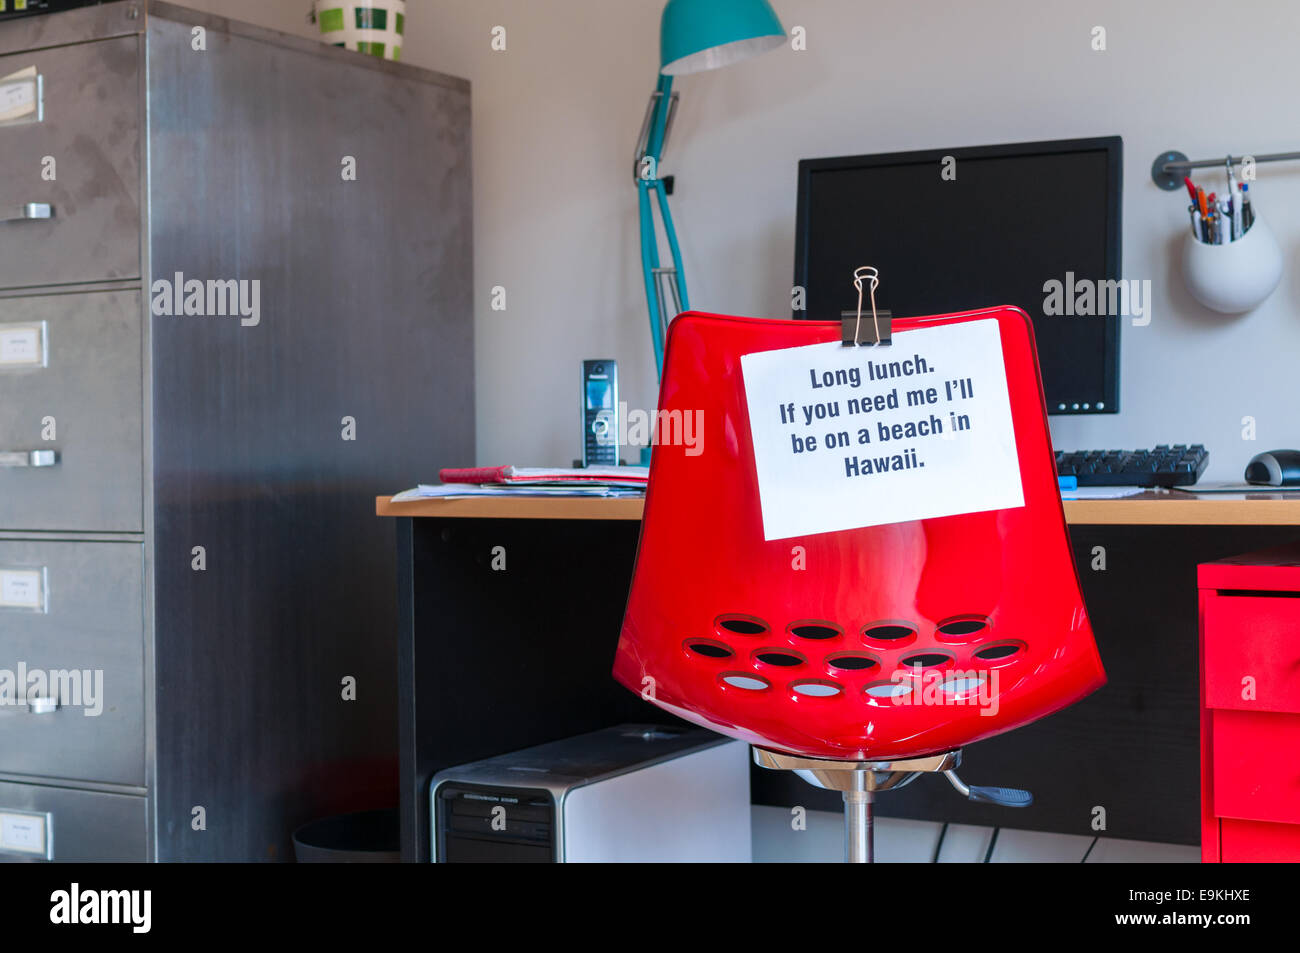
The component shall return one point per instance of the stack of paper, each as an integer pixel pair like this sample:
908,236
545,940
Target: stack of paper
533,481
520,476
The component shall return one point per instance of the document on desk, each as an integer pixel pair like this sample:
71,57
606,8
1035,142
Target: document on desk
846,437
555,476
1224,487
427,491
1101,492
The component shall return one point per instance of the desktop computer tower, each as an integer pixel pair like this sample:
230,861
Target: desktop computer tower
632,793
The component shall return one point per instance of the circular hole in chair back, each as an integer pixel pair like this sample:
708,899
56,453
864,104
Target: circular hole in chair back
742,626
993,653
778,658
963,626
710,649
751,683
891,632
851,663
814,630
925,660
963,686
815,689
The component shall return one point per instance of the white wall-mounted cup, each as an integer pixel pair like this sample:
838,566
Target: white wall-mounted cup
1235,277
374,27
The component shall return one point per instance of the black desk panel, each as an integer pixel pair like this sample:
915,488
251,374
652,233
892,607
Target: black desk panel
493,660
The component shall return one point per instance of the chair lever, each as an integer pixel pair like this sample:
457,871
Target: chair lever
1006,797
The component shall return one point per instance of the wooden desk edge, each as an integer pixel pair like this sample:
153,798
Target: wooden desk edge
1147,509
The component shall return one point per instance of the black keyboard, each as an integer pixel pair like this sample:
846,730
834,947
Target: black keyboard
1179,465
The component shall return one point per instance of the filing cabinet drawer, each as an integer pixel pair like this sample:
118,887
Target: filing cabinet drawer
70,368
72,631
1242,842
84,826
1255,767
82,159
1252,647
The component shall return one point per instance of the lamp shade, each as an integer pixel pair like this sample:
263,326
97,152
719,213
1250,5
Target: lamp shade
698,35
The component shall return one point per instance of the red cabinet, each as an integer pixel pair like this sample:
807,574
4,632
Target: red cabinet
1250,707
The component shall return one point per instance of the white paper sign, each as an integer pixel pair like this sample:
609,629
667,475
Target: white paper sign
846,437
20,345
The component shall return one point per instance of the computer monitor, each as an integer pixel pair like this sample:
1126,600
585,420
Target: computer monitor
960,229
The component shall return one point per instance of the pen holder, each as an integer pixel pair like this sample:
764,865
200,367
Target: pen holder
1235,277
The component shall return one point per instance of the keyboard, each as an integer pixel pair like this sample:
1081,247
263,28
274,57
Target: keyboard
1179,465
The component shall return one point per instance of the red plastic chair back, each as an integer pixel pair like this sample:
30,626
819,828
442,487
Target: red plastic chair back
889,641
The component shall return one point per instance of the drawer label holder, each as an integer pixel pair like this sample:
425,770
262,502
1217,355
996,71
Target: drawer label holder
24,590
27,834
22,97
23,346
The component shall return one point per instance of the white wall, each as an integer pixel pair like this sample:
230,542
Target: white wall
556,116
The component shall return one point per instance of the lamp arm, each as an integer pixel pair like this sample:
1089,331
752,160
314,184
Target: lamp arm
649,267
671,232
663,97
654,135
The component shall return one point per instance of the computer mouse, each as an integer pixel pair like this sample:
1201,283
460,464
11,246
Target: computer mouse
1274,468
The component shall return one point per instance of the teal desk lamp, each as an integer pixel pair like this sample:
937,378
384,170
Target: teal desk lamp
695,35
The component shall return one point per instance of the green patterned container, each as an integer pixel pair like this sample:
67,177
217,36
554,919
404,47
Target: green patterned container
374,27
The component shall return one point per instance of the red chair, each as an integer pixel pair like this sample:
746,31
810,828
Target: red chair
850,657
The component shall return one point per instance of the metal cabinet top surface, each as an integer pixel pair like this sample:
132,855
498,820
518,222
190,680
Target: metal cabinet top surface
125,17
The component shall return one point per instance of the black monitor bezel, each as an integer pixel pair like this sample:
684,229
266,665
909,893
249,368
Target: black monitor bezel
1113,146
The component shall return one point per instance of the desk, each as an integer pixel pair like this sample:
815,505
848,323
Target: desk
1150,508
495,659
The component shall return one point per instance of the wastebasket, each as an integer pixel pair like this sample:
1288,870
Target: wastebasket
366,837
374,27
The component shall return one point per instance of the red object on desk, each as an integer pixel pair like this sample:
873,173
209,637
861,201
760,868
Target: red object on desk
1250,707
728,631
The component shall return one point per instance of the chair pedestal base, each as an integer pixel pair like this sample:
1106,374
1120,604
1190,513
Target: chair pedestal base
859,822
858,781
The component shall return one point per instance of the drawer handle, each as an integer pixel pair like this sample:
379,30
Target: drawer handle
43,706
23,459
30,212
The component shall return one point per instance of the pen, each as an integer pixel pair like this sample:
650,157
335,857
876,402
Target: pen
1234,204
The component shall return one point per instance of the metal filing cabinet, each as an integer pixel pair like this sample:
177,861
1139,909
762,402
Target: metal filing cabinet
189,560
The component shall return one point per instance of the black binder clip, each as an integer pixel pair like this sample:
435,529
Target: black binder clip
878,329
